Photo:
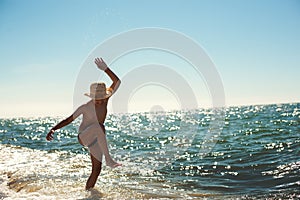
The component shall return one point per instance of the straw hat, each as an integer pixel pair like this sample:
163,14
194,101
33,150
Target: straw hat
99,91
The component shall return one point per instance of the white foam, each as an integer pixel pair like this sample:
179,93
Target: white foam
34,174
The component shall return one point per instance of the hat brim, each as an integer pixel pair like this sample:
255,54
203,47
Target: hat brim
92,96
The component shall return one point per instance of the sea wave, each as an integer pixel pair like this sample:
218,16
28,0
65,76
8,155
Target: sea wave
255,156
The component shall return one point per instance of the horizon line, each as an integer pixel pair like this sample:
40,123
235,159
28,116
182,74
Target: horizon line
147,112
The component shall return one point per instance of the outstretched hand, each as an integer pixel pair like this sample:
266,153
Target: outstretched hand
49,136
100,64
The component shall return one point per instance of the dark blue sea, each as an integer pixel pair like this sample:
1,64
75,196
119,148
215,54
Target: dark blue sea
247,152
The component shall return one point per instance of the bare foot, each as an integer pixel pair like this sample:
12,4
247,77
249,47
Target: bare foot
117,165
113,164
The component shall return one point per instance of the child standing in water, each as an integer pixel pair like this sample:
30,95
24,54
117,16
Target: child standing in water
92,130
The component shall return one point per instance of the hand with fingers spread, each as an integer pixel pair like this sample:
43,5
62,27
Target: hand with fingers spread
100,64
49,136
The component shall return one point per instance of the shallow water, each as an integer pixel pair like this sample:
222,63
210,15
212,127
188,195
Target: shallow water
255,156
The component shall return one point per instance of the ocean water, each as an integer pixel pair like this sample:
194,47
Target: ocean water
165,156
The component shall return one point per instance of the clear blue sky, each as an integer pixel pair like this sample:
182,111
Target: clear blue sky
255,46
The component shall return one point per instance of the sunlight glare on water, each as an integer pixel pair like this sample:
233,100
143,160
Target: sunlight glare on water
256,156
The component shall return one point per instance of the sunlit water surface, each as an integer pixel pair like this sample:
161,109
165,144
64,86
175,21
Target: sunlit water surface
255,156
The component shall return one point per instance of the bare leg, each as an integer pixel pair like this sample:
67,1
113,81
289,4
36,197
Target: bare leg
96,169
95,133
101,139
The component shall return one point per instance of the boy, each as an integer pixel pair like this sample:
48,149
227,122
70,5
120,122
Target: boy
92,130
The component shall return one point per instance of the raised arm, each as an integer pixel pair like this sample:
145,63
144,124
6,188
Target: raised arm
102,65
